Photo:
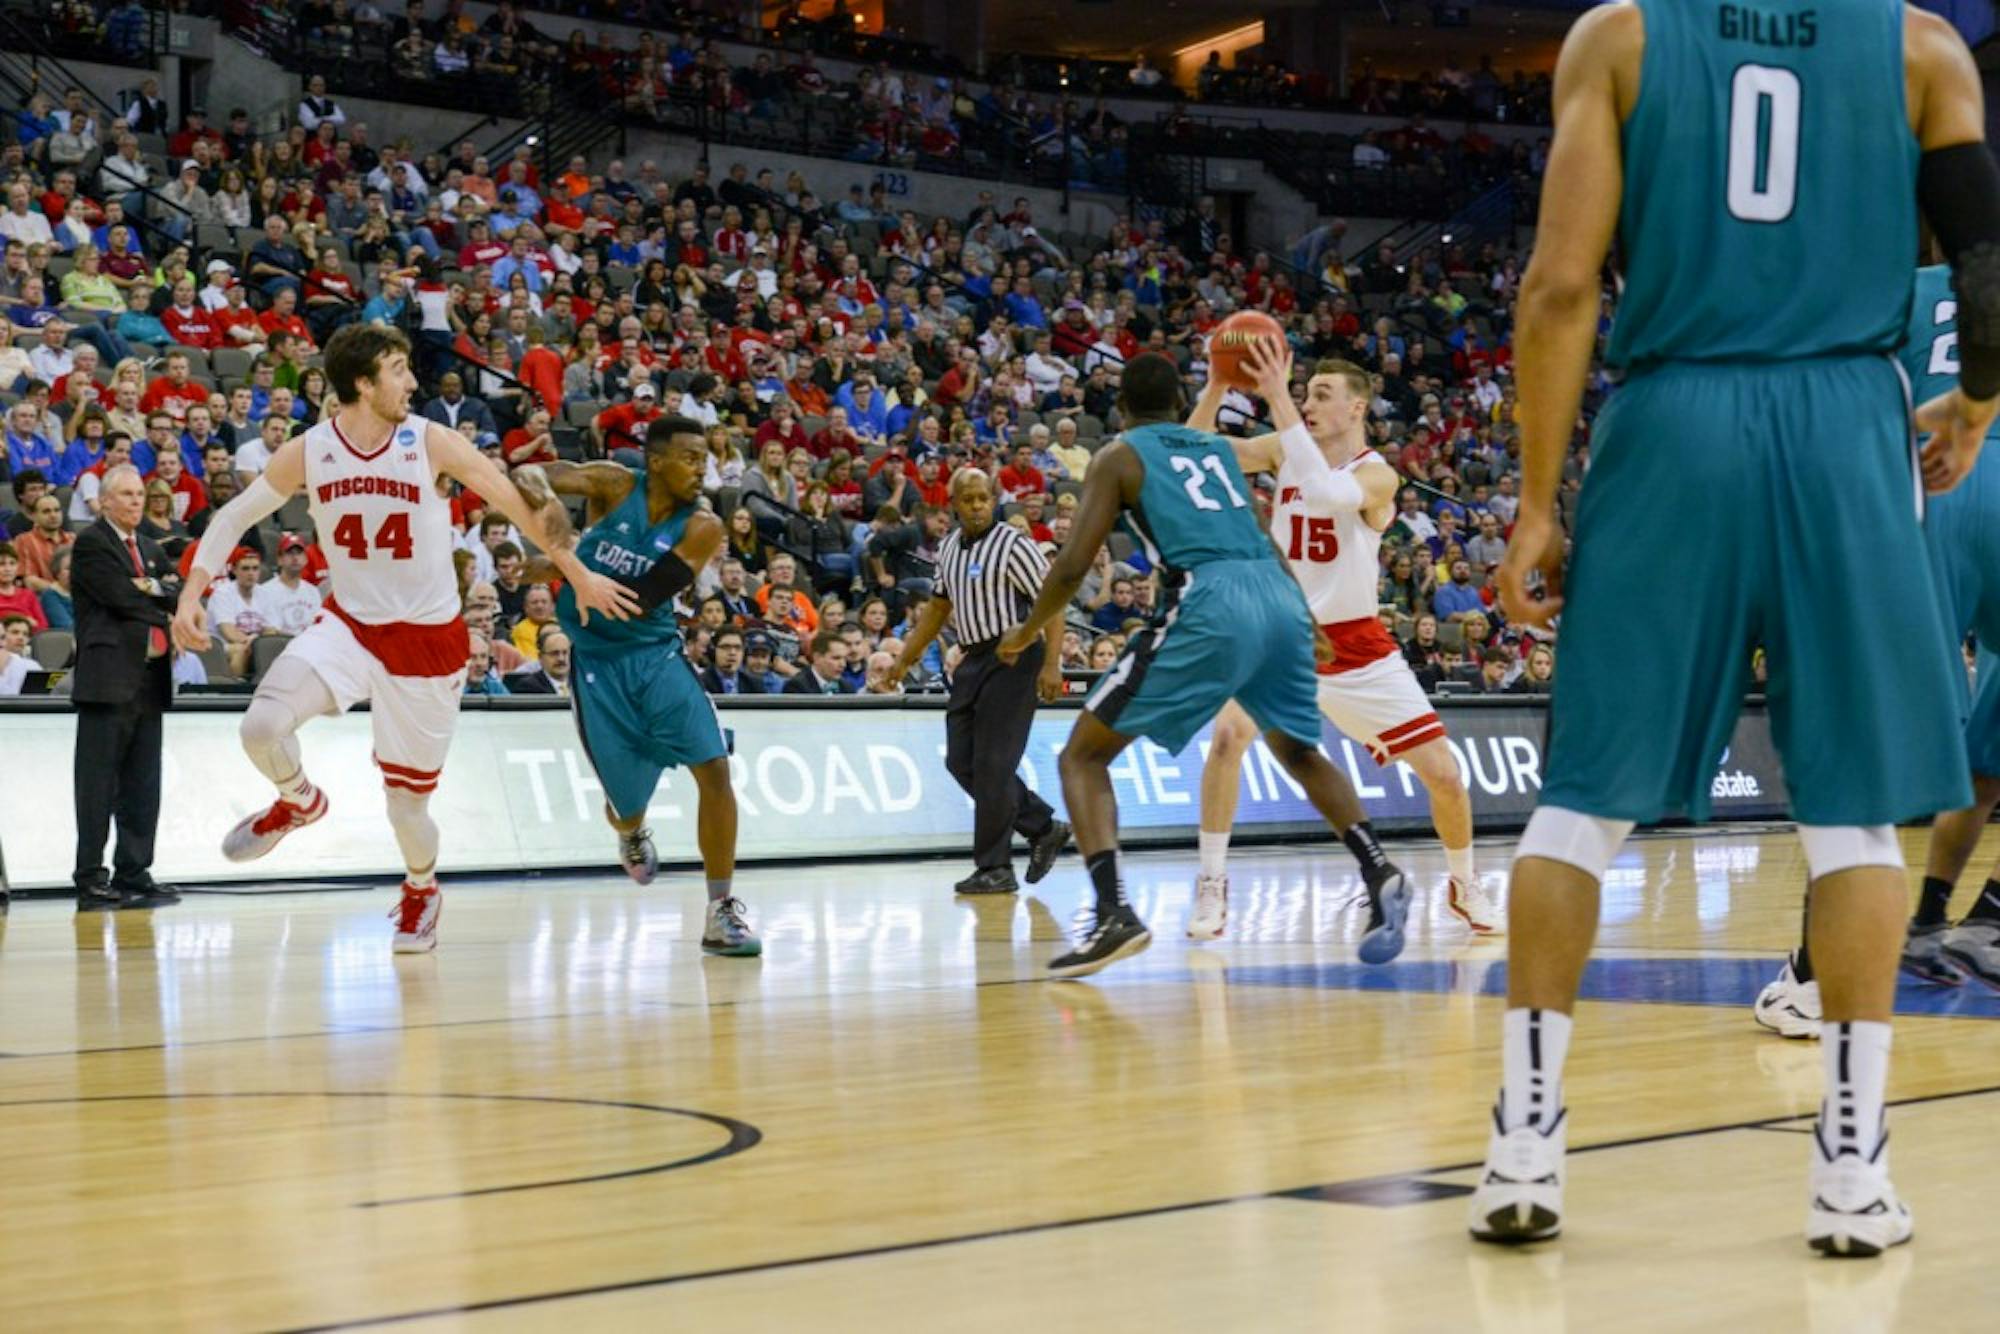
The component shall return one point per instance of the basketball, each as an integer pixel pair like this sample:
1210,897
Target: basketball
1232,340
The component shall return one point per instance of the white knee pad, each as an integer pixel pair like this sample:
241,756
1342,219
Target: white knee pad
1830,848
1587,842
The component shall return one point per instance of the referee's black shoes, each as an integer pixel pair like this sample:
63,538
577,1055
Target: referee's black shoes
992,880
1042,853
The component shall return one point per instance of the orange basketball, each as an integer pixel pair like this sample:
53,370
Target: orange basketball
1233,338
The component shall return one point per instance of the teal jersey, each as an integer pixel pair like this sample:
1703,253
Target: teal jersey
623,545
1770,184
1930,344
1194,506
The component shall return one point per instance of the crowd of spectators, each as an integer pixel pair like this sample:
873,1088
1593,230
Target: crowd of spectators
845,356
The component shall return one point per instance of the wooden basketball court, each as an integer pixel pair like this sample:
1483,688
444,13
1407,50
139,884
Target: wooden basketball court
245,1114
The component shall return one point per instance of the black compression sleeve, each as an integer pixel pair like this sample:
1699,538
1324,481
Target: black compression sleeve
661,584
1959,190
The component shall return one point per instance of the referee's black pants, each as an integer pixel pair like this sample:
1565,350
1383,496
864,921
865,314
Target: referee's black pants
986,733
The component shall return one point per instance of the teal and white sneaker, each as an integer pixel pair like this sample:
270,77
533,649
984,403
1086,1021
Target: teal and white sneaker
1974,946
1925,959
726,933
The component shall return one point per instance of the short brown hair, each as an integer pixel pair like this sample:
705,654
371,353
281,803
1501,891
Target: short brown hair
7,551
1358,383
355,353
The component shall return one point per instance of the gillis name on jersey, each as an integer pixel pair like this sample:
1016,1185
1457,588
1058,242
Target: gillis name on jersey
392,487
1743,24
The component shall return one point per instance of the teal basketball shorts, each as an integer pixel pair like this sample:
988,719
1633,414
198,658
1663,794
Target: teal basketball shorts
1238,629
639,714
1728,508
1962,532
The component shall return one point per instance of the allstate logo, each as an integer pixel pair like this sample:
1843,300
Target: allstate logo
1740,783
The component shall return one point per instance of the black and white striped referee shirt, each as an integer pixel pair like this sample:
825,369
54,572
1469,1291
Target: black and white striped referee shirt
991,582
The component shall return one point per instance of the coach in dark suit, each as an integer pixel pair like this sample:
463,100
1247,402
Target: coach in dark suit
124,590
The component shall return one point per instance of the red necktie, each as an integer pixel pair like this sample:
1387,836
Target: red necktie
156,638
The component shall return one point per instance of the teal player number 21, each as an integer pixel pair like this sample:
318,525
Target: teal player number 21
1197,485
1763,143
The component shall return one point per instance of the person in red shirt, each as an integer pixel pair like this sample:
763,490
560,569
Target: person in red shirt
15,599
173,392
331,296
195,127
283,317
1021,477
187,321
236,321
541,369
836,434
623,425
190,496
83,374
957,386
482,250
783,426
531,442
932,482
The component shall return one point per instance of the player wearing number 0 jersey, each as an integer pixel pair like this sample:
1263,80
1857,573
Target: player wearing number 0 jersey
1232,625
390,633
1331,509
1760,167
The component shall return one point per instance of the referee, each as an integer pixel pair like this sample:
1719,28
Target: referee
988,574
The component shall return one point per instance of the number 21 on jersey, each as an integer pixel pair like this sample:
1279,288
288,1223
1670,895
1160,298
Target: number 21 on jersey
1197,484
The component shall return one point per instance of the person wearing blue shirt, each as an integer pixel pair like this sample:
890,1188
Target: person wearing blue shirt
26,449
1459,598
517,260
1024,307
140,325
79,458
867,408
387,306
623,252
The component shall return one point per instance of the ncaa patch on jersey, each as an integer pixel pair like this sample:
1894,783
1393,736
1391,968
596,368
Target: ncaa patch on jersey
406,436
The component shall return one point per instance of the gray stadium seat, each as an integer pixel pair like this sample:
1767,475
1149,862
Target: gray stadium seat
264,651
215,661
54,649
230,363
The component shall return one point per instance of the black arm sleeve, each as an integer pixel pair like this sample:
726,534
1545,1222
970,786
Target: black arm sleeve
1959,191
663,583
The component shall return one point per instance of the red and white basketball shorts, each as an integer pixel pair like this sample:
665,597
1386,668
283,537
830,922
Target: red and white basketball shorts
1382,706
413,717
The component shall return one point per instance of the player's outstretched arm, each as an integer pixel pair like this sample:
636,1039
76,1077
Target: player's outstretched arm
1958,187
456,457
281,479
1112,482
1258,453
1555,330
604,485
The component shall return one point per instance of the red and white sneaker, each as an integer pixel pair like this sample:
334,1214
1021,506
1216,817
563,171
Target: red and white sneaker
1471,904
255,835
416,919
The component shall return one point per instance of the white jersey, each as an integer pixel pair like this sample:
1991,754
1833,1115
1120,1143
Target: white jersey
384,528
1334,556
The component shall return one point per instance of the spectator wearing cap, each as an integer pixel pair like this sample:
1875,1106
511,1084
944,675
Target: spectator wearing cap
191,203
293,602
760,664
622,426
455,408
220,276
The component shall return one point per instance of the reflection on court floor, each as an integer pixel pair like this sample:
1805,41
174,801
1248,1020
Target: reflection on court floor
571,1118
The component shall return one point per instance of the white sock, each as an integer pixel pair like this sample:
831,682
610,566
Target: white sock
422,879
1460,862
1533,1047
1857,1078
1214,852
298,791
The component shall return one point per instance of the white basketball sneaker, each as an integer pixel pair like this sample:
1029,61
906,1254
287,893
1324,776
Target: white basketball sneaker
1211,907
1789,1007
1854,1209
1471,904
416,919
255,835
1520,1194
